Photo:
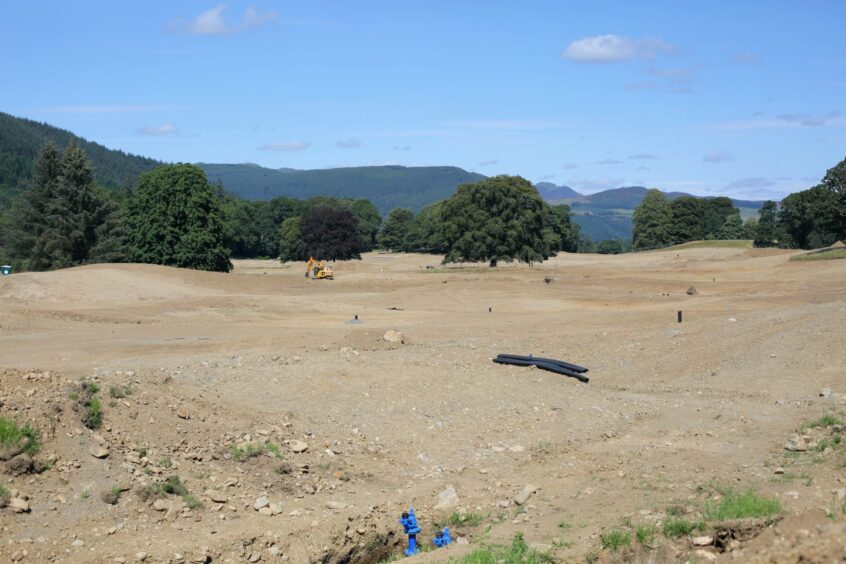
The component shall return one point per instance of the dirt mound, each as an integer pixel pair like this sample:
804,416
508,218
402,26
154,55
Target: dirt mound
838,245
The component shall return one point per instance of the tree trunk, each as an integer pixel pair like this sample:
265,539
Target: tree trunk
493,263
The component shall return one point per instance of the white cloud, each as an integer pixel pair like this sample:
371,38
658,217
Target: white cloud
159,130
591,185
643,157
351,143
747,58
831,119
750,182
608,162
489,163
286,146
718,157
213,22
614,49
571,166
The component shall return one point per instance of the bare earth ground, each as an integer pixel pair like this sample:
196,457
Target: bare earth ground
215,361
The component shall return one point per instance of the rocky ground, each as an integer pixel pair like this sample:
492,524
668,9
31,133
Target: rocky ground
251,417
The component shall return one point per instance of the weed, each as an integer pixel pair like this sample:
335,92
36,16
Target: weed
172,486
468,519
247,451
93,418
826,420
676,527
735,505
273,449
592,556
15,438
675,511
790,476
166,463
564,525
192,502
517,553
119,392
142,451
541,447
5,496
615,539
645,535
88,404
111,496
325,466
84,494
832,442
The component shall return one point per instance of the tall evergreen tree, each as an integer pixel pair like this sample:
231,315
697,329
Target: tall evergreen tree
175,219
765,233
652,222
395,230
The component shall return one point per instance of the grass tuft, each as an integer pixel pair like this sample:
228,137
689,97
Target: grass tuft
676,527
458,519
16,438
645,535
615,539
517,553
735,505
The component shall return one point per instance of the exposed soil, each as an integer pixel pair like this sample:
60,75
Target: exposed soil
196,369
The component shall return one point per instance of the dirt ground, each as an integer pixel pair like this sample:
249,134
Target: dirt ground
204,365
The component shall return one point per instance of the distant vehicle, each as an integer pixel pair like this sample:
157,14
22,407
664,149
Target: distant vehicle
319,270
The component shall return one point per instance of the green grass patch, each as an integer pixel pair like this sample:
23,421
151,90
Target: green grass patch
172,486
645,534
84,494
247,451
726,244
192,502
273,449
5,495
16,438
676,527
831,254
790,476
166,463
517,553
826,420
737,505
466,519
615,539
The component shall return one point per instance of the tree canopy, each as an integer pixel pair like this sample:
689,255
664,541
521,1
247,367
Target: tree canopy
330,234
394,233
500,218
652,221
175,219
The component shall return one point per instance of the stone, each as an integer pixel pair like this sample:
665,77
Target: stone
217,496
524,495
183,412
703,541
691,291
275,508
298,446
140,556
447,498
393,336
99,452
825,393
161,505
19,505
261,502
796,444
18,555
779,471
336,505
78,543
265,511
462,540
840,494
705,555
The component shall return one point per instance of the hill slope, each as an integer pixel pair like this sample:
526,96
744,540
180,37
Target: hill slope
386,187
22,139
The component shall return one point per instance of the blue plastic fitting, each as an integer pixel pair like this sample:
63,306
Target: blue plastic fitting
411,528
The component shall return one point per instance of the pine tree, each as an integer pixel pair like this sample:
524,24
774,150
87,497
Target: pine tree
765,233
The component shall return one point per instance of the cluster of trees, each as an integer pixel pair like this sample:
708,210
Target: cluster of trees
659,222
808,219
499,218
254,229
63,218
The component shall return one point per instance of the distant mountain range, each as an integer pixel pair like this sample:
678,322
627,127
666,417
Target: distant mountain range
603,215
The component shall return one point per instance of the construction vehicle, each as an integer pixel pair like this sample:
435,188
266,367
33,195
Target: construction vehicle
318,270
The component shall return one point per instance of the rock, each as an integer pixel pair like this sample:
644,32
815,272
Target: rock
216,496
183,412
336,505
393,336
265,511
18,555
779,471
691,291
796,444
524,495
298,446
705,555
275,508
261,502
78,543
140,556
703,541
161,505
840,494
517,448
447,498
462,540
19,505
825,393
23,464
99,452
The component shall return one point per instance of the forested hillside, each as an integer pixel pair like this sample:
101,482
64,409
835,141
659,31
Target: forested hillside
387,187
21,140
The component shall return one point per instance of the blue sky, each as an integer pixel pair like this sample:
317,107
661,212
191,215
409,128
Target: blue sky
718,97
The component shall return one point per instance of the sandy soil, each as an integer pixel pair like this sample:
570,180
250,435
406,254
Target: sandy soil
672,413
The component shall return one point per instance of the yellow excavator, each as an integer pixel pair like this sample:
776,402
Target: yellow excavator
319,270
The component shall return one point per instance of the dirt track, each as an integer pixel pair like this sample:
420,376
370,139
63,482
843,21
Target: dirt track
671,410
